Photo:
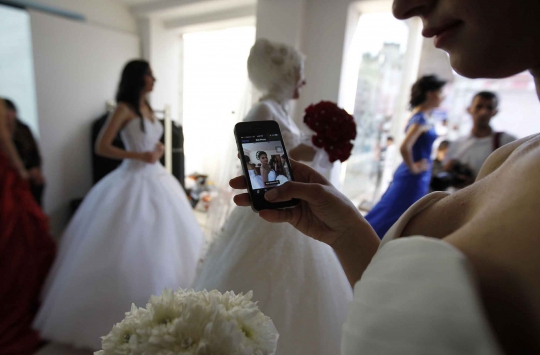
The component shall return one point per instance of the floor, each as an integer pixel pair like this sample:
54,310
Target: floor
56,349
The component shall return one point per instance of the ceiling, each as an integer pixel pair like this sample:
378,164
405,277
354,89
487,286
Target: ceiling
137,2
177,9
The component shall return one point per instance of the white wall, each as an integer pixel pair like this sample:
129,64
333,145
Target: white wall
281,21
317,28
326,26
77,68
164,57
434,61
104,13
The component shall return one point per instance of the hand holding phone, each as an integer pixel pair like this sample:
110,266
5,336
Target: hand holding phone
323,213
265,162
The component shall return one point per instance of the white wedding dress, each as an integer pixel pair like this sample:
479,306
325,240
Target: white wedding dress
134,235
297,281
256,180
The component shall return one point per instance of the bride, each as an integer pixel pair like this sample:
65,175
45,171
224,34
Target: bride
134,235
267,171
298,282
256,180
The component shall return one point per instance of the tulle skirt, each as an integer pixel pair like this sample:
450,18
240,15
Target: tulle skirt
134,235
297,281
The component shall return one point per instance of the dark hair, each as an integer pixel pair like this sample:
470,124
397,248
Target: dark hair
443,145
422,86
247,159
488,95
131,85
10,105
390,138
259,153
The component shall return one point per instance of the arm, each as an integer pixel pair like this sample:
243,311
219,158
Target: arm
323,214
6,144
104,146
413,133
264,173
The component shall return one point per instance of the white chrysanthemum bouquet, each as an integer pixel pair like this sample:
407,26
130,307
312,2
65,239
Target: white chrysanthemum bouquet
189,322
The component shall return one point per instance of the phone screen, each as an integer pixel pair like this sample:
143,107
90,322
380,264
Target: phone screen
265,160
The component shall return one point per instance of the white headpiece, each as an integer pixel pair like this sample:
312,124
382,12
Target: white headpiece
274,68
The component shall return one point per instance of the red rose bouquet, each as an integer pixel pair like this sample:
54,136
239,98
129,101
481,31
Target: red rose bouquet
334,129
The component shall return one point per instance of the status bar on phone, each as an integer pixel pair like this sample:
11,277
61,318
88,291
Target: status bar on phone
256,138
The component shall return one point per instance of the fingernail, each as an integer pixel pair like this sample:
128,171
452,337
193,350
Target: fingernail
271,195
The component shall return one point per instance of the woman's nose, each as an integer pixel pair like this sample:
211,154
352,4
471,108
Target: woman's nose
404,9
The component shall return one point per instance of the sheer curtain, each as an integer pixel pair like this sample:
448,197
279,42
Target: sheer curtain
217,95
229,167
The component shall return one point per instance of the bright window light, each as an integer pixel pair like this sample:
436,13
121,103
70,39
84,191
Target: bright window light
215,83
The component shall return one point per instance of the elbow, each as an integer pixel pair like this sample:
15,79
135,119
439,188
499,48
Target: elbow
404,149
99,149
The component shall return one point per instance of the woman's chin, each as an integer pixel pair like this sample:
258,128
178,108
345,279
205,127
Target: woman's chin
473,68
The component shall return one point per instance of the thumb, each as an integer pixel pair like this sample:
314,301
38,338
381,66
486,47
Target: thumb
309,192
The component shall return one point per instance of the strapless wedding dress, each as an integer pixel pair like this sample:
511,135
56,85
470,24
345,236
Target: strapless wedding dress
134,235
297,281
256,180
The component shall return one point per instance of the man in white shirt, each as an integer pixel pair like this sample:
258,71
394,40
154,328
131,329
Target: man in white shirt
470,152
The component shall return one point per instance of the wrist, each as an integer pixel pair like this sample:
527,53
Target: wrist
355,250
355,235
139,156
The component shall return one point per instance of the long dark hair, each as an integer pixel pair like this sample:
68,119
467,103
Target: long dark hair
422,86
131,86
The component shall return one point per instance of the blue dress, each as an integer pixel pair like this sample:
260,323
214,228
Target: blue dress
406,187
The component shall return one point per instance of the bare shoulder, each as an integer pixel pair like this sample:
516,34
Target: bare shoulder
500,239
123,109
122,114
499,157
505,201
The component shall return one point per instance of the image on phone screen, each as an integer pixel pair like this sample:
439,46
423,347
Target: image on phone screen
266,161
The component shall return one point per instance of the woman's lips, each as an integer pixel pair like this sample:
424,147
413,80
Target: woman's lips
442,33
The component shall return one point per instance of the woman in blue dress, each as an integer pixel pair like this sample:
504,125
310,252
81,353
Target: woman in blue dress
412,177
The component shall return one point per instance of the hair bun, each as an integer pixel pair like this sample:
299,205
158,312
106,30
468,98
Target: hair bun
274,68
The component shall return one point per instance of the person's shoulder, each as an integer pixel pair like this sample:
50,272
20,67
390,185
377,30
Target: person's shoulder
418,118
124,112
499,157
123,108
261,111
460,140
22,126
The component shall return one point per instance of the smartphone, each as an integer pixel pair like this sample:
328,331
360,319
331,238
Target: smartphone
265,161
